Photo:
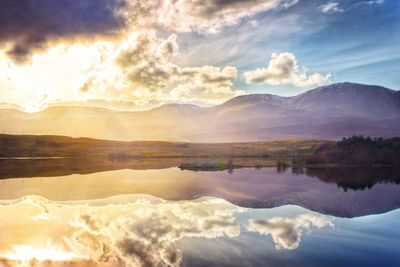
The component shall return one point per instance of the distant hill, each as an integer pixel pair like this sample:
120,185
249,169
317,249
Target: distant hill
350,99
328,112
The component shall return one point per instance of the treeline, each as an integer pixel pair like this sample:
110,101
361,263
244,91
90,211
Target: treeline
359,150
370,143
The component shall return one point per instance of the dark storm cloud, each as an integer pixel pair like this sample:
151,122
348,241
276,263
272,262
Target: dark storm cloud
27,25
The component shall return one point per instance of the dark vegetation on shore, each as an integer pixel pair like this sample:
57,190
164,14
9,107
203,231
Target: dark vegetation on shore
358,151
352,151
361,157
355,151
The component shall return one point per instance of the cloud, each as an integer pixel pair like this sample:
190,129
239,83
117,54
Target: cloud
135,65
334,7
122,230
371,2
287,232
138,69
284,69
145,70
330,7
75,51
209,15
28,25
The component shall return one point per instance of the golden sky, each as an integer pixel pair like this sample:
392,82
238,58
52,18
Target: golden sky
133,55
125,52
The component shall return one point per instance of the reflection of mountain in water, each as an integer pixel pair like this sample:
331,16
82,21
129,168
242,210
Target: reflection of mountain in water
376,190
353,178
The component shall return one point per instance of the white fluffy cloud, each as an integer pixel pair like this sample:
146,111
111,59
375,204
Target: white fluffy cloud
287,232
143,70
284,69
137,69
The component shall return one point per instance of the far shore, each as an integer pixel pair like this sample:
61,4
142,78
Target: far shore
356,151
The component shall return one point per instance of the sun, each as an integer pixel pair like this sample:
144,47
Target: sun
23,253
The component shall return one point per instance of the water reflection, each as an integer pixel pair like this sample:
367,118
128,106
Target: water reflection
246,187
152,213
354,178
287,232
121,231
138,230
365,241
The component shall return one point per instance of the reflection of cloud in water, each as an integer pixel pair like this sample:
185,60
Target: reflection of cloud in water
287,232
138,232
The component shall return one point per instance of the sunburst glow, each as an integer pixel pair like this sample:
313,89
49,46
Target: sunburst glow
29,253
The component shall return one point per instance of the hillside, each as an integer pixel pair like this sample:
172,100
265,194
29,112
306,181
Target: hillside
329,112
63,146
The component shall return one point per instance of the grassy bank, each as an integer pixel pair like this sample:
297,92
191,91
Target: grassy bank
62,146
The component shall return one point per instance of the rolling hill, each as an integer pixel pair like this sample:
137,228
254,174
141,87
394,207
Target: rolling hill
328,112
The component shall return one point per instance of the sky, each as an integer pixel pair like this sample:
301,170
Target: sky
135,55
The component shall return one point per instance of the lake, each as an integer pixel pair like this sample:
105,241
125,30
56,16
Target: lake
153,213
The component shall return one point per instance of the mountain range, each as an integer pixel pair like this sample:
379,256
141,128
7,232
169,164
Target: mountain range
328,112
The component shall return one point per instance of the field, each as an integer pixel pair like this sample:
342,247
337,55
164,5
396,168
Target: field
62,146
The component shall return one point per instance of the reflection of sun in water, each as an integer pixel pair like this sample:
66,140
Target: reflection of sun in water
129,230
27,253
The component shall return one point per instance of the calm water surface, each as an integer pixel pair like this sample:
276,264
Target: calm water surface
173,217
